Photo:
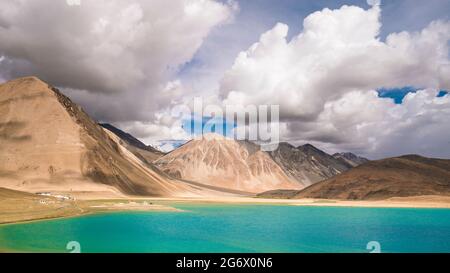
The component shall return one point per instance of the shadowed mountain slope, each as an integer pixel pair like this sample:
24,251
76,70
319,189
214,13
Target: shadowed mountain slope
145,152
307,163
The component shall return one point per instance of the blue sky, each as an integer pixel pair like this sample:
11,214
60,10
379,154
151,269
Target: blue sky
398,94
199,125
442,93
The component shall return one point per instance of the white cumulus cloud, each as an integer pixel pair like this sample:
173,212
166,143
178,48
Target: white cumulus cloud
324,80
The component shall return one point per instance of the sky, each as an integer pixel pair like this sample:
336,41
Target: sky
369,77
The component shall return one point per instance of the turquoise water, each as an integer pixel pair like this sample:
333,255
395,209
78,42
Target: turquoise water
240,228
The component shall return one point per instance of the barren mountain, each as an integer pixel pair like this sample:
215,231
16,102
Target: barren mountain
49,143
307,164
144,152
404,176
219,161
350,158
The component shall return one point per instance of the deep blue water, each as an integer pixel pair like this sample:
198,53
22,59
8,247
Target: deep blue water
240,228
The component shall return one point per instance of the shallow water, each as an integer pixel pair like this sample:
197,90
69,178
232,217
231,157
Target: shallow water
239,228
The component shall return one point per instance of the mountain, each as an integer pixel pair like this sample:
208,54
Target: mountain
219,161
307,164
350,158
405,176
47,142
145,152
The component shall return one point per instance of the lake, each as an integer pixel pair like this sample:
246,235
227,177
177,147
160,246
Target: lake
239,228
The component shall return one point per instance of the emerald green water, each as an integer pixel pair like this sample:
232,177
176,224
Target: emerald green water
239,228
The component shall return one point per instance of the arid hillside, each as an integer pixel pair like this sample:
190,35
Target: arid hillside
48,143
223,162
405,176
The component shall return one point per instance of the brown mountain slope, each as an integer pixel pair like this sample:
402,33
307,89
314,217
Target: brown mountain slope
49,143
222,162
144,152
404,176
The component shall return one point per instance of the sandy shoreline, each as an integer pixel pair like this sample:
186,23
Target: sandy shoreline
39,212
398,202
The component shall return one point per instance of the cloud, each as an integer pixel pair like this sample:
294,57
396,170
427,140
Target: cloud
362,122
324,80
337,52
120,54
165,135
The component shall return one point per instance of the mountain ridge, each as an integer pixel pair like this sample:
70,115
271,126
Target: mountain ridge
404,176
146,153
306,163
350,158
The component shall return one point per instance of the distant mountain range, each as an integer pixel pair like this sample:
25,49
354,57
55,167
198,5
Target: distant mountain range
244,166
303,165
309,165
48,143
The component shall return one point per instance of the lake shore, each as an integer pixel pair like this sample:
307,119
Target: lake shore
21,210
26,209
397,202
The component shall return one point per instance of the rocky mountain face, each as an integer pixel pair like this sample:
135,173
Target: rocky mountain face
405,176
350,159
145,152
219,161
47,142
307,164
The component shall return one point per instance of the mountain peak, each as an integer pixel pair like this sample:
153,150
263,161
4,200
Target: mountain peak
307,163
350,158
309,146
346,154
212,136
286,145
218,161
27,79
25,84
